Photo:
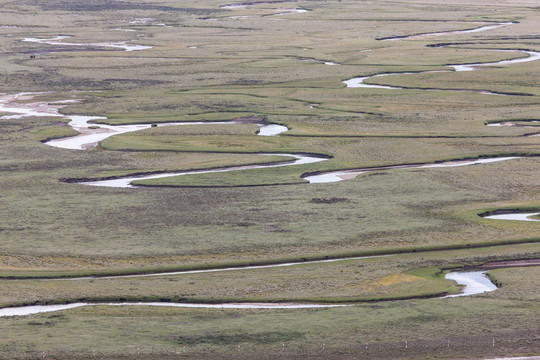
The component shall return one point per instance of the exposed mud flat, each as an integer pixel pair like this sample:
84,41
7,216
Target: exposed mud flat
509,263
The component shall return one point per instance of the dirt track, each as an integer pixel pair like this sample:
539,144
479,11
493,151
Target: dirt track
509,263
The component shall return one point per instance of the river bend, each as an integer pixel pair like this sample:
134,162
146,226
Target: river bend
474,283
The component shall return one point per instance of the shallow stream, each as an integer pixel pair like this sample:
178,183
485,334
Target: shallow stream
474,283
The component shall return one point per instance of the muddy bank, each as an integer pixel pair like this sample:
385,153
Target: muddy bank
509,264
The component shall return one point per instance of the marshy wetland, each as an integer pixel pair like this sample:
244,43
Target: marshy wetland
309,266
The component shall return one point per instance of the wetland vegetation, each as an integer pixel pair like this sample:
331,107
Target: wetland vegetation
267,63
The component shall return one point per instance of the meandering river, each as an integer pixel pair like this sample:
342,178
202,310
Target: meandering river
57,40
91,134
126,182
473,283
340,175
452,32
359,82
514,216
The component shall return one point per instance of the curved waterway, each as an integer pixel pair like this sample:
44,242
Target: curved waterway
57,40
239,268
474,282
36,309
340,175
452,32
520,123
91,134
359,82
514,216
126,182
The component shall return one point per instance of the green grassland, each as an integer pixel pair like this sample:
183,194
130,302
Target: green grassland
117,332
209,63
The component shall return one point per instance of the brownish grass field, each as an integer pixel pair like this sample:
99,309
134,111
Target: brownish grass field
209,63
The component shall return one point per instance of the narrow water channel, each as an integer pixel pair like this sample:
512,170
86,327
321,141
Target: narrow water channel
340,175
514,216
445,33
359,82
474,283
126,182
90,134
58,40
36,309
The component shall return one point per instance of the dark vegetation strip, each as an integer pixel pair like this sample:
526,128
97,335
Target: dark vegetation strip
186,300
397,136
113,5
524,120
523,209
277,261
299,181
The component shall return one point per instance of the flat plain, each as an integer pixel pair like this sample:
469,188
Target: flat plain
277,62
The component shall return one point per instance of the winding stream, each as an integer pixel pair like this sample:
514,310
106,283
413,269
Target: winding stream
57,40
340,175
91,134
36,309
514,216
125,182
359,82
474,282
452,32
239,268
